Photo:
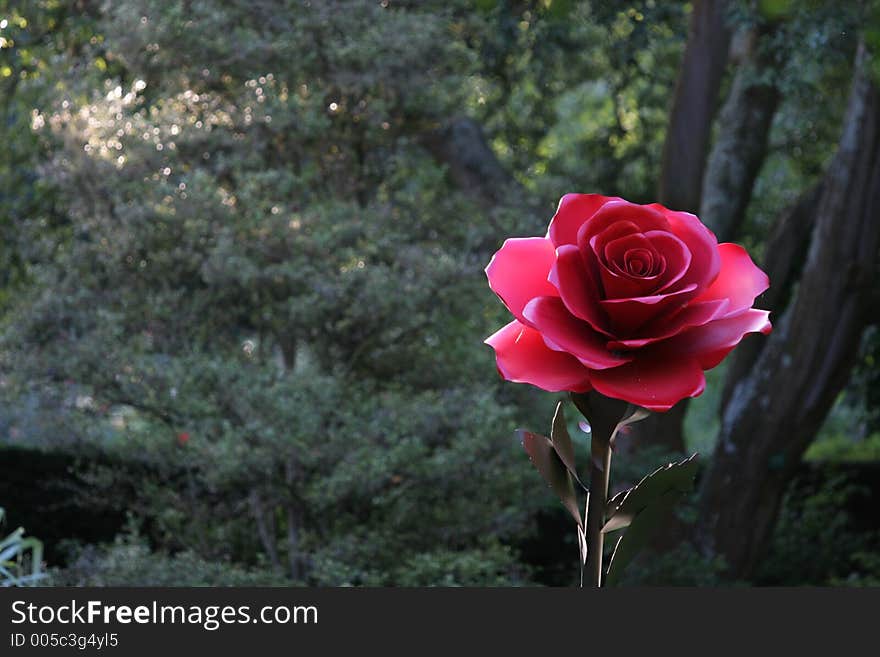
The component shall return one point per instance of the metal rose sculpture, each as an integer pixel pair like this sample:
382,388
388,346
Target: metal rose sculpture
624,306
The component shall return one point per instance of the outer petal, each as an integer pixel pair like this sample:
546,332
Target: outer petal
522,357
652,381
701,242
740,280
564,332
573,211
578,287
628,315
518,272
694,314
710,343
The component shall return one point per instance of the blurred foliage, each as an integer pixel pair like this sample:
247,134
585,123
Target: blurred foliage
129,561
838,447
852,430
230,261
817,541
257,292
683,565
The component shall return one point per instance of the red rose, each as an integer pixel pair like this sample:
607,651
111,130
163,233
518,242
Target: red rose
634,301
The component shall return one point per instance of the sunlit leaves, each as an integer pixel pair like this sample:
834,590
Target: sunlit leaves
294,285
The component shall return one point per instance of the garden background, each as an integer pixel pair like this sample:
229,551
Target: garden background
242,302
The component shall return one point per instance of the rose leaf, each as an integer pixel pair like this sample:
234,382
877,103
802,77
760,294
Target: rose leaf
545,459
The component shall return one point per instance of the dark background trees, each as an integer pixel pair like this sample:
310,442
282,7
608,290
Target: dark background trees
243,303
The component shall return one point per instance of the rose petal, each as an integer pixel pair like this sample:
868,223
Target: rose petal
577,287
640,263
623,285
739,280
564,332
522,357
628,315
616,249
675,251
573,211
652,381
518,272
711,342
700,241
694,314
618,210
615,231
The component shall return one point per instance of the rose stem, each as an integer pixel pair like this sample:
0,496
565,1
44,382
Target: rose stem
600,472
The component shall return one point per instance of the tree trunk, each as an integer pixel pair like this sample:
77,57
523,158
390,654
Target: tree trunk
693,106
684,158
743,131
461,145
265,529
774,414
294,523
784,259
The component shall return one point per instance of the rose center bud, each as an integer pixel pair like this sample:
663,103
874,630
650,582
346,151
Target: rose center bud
639,262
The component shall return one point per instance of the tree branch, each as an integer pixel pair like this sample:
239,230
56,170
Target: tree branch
743,131
461,145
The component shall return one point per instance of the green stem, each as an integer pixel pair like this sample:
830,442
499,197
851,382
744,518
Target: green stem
604,415
600,473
